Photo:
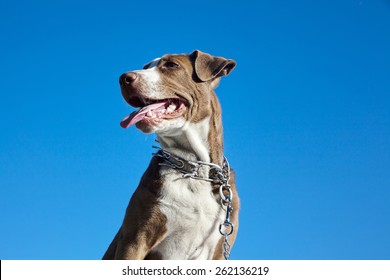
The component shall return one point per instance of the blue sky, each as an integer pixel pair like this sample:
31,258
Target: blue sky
306,119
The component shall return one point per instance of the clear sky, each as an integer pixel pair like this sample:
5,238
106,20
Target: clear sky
306,119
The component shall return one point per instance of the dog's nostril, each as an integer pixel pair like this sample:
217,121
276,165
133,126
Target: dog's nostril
128,78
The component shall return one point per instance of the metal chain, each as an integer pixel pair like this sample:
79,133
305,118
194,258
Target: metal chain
227,227
217,174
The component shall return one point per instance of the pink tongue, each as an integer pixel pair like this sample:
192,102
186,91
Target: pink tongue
140,114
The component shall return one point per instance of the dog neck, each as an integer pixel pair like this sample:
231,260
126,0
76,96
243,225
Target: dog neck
202,140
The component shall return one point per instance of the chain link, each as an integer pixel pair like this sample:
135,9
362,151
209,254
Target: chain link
217,174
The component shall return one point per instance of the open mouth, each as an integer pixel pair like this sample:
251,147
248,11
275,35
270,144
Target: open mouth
153,110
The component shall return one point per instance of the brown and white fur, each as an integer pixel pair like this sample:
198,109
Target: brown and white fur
168,216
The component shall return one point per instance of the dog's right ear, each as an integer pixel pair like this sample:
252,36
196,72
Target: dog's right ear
151,64
147,65
208,67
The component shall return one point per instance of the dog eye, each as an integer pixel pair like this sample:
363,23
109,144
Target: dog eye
171,65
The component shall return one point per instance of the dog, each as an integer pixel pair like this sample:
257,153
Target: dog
186,205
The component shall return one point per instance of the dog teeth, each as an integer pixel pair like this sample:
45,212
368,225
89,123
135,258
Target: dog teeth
159,113
171,108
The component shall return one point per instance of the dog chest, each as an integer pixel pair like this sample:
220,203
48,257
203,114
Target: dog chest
193,216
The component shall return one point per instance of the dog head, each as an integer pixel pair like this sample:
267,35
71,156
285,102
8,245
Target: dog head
172,90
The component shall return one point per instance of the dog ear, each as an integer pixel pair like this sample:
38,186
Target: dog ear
147,65
208,67
151,64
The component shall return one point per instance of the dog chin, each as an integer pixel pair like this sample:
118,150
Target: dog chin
162,126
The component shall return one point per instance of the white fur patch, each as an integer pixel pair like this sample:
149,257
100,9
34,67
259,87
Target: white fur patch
151,78
193,218
187,139
197,137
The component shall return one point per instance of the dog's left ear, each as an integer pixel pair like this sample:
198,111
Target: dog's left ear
208,67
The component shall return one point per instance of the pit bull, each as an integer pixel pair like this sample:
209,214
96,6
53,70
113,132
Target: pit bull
186,204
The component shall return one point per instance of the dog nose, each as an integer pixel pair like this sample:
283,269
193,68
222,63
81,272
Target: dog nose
128,78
